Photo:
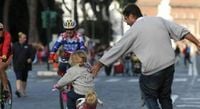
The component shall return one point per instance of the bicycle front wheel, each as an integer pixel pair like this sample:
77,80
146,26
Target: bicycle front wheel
63,100
6,103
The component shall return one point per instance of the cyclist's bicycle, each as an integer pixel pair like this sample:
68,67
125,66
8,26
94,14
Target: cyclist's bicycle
6,103
80,103
5,98
63,93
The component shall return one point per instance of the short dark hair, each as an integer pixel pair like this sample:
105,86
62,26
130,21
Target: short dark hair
133,9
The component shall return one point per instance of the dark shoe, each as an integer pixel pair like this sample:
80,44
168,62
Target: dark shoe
17,93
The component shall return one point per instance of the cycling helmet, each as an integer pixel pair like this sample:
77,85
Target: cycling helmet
69,24
1,25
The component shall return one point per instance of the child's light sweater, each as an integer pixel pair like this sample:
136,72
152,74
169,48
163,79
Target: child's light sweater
80,77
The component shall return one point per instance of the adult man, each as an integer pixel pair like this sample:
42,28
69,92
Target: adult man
5,52
149,38
70,41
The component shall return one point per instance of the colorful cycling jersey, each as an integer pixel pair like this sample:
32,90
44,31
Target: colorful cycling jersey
69,44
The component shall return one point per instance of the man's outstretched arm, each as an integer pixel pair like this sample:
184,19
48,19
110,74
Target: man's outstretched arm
96,67
194,40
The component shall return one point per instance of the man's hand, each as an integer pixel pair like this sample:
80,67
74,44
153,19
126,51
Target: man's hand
95,68
4,58
29,60
193,39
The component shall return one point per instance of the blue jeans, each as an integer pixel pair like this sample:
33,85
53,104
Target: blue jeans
157,88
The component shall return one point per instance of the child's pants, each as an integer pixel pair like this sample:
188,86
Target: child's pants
72,97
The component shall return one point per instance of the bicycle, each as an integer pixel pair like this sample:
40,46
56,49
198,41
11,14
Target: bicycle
5,102
81,102
63,93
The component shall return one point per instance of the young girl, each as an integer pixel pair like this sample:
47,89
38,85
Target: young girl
80,77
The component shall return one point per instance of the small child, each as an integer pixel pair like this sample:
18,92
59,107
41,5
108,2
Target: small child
89,102
80,77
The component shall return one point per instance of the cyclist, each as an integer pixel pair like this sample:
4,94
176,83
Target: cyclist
70,41
5,54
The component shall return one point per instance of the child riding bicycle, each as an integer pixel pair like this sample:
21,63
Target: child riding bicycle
79,76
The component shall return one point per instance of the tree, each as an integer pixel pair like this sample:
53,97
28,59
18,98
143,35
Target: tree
124,2
5,13
101,27
33,30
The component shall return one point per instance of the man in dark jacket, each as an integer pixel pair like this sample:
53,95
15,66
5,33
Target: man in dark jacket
23,55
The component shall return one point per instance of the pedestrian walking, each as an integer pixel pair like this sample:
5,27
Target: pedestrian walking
149,38
187,56
80,77
23,55
177,54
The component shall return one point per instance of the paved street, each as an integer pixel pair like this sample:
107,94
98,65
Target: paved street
119,92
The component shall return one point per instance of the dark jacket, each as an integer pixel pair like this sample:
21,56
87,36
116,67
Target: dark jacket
21,53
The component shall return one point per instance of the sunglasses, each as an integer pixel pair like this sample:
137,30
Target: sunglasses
1,29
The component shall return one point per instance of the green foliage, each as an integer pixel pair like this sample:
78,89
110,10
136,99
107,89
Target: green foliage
124,2
48,19
98,30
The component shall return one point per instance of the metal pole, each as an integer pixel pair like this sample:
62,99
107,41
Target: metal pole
48,33
93,25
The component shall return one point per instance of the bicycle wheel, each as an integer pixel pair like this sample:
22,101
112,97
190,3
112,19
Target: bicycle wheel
63,100
6,103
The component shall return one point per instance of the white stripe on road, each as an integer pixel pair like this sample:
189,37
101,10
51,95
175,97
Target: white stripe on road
180,79
187,105
113,80
192,102
136,80
190,99
175,80
133,80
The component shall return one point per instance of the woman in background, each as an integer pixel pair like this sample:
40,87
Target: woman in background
23,55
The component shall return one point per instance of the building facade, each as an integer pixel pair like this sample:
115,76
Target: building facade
183,12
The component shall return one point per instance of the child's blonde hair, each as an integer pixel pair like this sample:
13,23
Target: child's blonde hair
76,55
91,97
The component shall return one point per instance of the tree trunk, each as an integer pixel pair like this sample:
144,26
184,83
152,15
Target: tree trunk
33,31
6,13
75,11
